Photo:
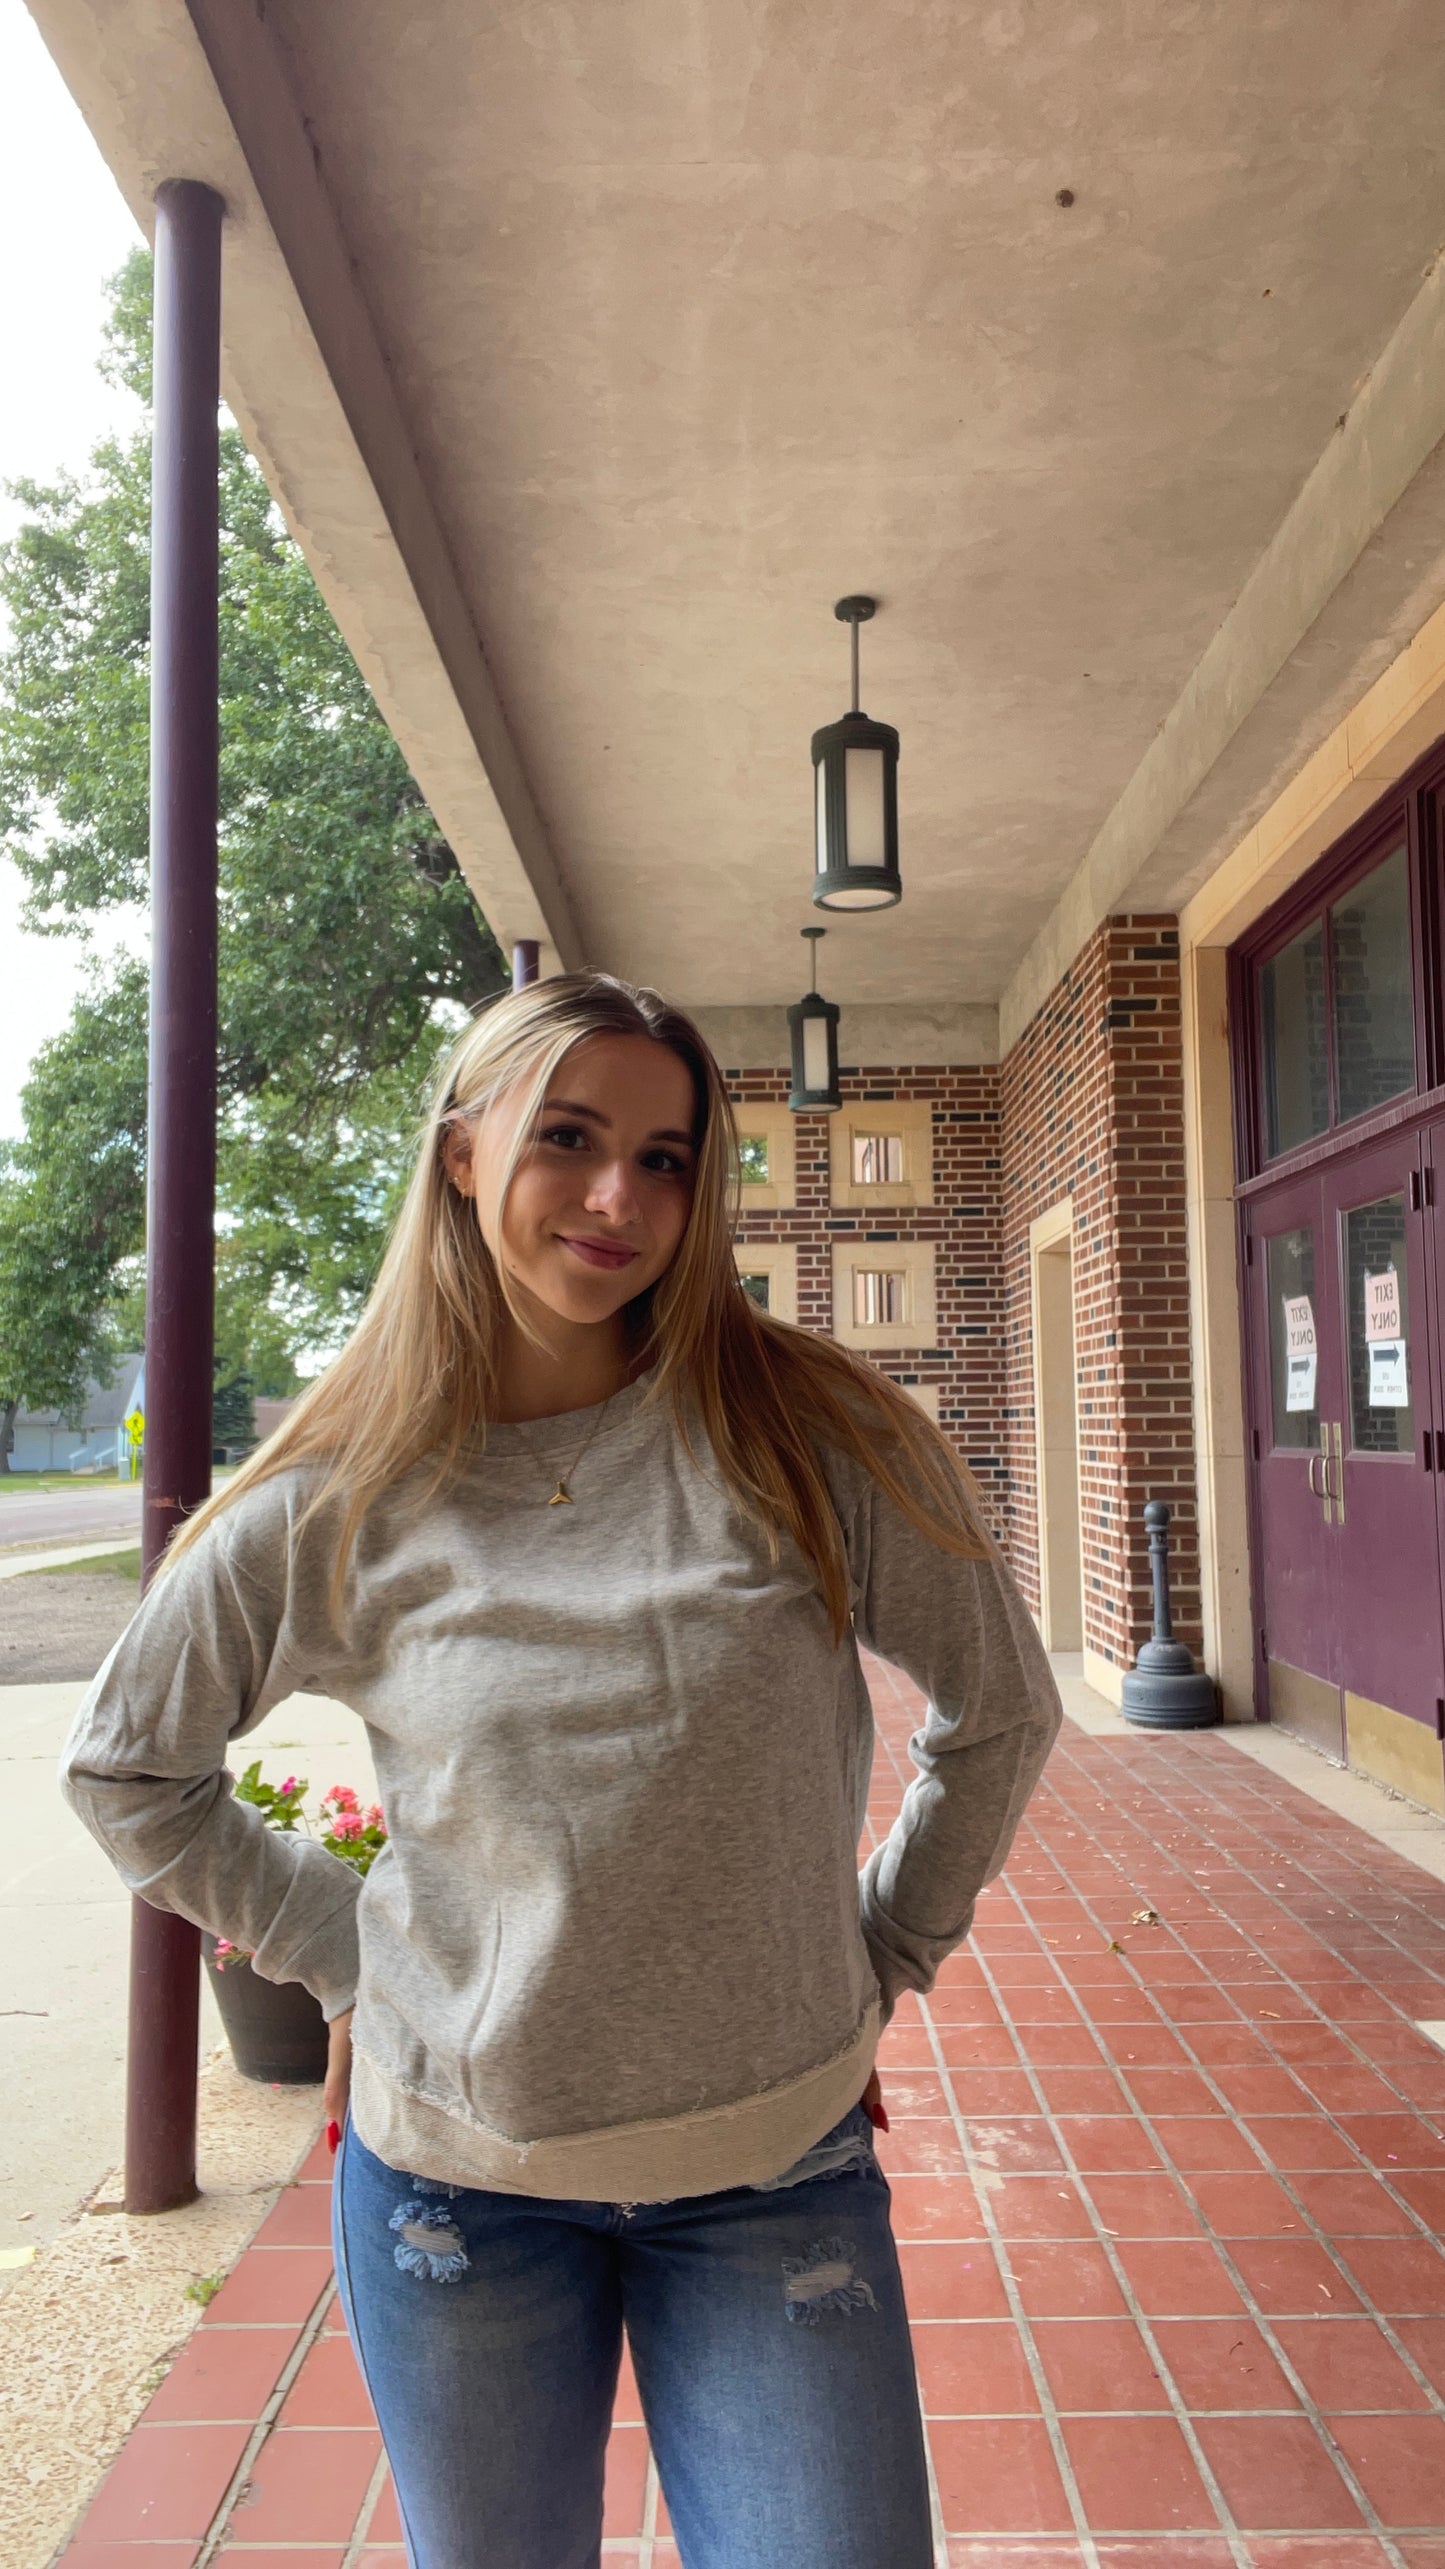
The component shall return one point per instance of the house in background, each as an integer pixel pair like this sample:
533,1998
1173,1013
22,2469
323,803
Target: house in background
47,1441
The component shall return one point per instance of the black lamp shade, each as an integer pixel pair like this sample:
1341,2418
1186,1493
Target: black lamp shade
813,1038
856,785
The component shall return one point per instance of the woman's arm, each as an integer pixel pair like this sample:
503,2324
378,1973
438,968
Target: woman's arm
962,1632
218,1640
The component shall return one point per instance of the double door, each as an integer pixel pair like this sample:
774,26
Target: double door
1345,1288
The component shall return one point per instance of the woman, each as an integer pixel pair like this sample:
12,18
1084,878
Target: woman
590,1542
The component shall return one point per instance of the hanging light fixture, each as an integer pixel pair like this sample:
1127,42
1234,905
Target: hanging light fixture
856,799
813,1036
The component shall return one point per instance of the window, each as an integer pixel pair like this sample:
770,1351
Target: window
759,1286
877,1159
1337,1012
754,1166
878,1297
1373,1003
1296,1050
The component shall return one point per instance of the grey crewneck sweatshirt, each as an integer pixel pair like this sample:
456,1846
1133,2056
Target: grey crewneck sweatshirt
617,1948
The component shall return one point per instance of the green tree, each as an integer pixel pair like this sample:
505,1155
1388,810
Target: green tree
349,943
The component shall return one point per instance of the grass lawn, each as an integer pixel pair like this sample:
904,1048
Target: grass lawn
23,1485
121,1565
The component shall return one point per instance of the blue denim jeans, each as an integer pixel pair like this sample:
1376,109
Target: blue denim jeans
768,2335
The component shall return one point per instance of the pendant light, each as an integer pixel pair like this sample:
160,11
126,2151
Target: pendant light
856,799
813,1037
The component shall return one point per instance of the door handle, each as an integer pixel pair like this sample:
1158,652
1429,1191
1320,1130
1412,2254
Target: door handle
1339,1460
1321,1488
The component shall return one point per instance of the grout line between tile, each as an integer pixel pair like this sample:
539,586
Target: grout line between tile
306,2338
1284,2177
1021,2319
1222,2250
365,2512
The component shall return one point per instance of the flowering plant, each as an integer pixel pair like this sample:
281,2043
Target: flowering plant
355,1835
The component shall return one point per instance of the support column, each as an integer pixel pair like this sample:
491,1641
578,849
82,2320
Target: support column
181,1155
525,958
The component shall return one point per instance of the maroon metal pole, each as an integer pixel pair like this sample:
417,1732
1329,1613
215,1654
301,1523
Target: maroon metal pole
165,1992
525,955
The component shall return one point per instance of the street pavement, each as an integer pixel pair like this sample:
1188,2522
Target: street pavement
63,1516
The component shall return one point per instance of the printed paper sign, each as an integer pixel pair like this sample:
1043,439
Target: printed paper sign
1382,1306
1299,1351
1389,1376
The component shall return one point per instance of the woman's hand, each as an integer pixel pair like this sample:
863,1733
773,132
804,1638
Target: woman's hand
337,2090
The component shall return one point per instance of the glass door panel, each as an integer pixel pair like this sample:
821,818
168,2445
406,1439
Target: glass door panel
1386,1537
1294,1371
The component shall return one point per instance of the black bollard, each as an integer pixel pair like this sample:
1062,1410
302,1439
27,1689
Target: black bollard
1164,1691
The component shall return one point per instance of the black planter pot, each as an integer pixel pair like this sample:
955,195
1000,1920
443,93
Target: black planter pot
275,2027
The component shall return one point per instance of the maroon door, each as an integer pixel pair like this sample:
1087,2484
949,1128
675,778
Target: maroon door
1295,1373
1385,1538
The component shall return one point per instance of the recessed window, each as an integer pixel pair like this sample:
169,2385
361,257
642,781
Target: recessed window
754,1167
758,1287
877,1159
879,1297
1336,1011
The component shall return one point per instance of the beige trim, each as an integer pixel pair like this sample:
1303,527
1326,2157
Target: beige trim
914,1260
1396,1751
777,1126
1394,722
911,1119
778,1261
1104,1677
926,1396
882,1031
1216,1360
1056,1438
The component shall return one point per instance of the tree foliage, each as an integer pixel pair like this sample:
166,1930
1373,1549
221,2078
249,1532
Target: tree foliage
348,939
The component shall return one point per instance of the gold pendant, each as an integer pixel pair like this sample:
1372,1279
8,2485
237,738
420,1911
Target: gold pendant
561,1497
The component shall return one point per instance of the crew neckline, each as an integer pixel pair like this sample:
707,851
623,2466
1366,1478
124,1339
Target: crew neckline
567,1427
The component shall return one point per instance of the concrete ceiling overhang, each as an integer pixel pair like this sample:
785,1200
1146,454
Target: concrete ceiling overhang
594,349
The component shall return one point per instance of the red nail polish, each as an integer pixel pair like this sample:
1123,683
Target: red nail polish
878,2117
333,2138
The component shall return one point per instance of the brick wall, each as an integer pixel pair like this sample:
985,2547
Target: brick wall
966,1363
1090,1105
1093,1109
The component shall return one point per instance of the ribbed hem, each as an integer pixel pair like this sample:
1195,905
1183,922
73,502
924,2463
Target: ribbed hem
749,2143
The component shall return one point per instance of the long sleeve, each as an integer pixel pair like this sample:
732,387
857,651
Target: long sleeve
218,1640
961,1631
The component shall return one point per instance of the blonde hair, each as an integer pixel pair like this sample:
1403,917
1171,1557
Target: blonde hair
417,1380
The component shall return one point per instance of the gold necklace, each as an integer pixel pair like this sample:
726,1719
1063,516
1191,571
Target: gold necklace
562,1497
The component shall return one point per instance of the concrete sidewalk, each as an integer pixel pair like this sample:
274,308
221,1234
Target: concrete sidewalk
64,1922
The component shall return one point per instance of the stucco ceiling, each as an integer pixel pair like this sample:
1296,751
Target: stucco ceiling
699,316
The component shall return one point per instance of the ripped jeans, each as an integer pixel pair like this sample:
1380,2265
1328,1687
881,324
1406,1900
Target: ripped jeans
767,2331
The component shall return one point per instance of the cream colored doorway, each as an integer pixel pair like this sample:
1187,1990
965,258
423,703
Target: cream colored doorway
1061,1588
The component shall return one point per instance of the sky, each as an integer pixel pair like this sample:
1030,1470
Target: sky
66,228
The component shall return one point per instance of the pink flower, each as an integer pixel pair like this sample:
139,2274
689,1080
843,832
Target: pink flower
349,1825
224,1945
343,1798
290,1784
376,1818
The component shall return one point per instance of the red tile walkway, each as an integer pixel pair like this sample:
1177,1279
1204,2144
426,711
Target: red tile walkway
1168,2171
